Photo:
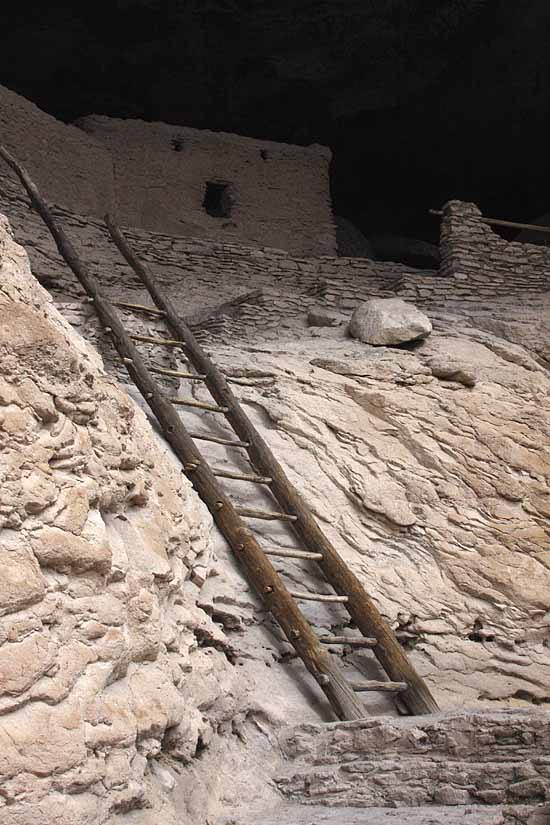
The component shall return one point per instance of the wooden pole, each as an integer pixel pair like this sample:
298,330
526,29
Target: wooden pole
361,607
497,222
261,573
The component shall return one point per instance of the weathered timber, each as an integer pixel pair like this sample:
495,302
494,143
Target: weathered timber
160,342
317,597
252,477
267,515
417,698
353,641
259,569
176,373
227,442
387,687
289,553
497,222
191,402
201,317
139,307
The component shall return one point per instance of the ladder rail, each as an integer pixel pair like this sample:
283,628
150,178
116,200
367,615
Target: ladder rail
261,573
417,697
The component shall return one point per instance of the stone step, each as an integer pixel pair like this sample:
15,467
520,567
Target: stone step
470,734
422,815
489,759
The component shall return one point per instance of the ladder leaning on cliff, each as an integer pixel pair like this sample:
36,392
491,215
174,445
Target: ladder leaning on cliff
412,691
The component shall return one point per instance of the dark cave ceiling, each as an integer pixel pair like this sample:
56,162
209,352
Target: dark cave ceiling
420,101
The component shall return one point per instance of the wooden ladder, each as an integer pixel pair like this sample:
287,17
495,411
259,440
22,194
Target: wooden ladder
265,470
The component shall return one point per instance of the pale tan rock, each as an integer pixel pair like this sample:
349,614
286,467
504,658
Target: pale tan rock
22,582
99,532
64,551
23,663
435,493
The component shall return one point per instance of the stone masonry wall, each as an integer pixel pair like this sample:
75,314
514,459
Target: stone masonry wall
455,759
196,272
70,167
279,194
482,262
189,269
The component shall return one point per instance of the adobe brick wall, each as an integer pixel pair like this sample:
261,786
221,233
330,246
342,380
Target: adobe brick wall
280,193
153,176
69,166
480,263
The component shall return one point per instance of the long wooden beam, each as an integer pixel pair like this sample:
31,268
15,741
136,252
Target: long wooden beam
438,213
417,698
260,572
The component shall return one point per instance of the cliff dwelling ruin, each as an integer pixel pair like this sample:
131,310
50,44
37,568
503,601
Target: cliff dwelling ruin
275,460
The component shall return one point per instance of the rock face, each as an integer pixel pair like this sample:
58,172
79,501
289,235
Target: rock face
101,672
435,493
387,321
428,469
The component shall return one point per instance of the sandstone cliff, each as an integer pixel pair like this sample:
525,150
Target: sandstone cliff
435,491
107,666
141,677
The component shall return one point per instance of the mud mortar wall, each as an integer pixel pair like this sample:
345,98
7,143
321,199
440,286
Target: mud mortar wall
479,260
276,194
70,167
155,177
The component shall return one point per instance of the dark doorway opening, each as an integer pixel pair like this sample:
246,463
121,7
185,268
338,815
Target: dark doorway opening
218,201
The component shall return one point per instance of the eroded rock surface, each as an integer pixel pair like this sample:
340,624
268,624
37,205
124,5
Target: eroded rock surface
107,666
435,493
427,468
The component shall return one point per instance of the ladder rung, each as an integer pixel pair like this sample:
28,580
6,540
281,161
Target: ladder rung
289,553
265,514
242,476
177,373
388,687
140,307
354,641
317,597
165,342
218,440
190,402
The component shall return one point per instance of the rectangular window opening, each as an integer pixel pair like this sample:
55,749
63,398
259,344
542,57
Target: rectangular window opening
218,200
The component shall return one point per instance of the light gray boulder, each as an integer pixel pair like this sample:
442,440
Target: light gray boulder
387,321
